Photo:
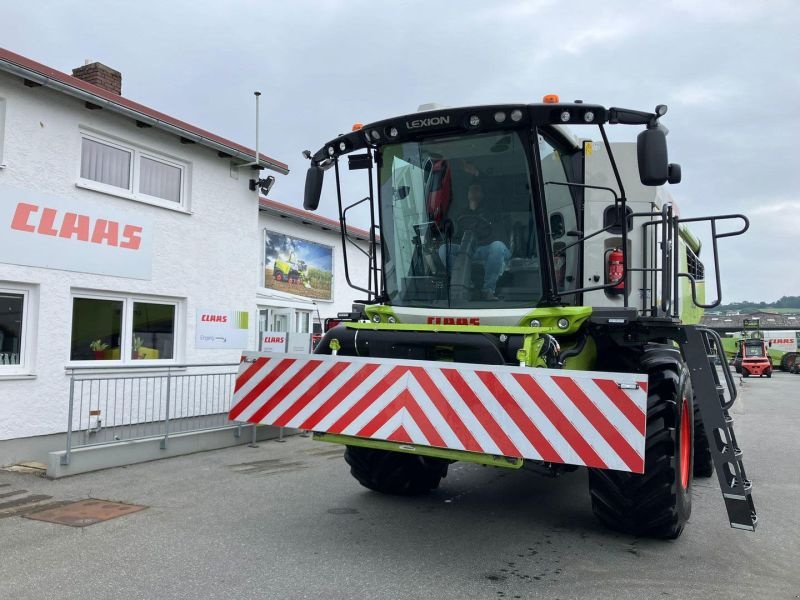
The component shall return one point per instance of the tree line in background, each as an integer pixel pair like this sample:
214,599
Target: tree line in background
744,306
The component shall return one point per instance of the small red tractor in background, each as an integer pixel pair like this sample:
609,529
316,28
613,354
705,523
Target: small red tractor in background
754,358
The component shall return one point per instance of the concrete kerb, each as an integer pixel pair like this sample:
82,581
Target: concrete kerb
118,454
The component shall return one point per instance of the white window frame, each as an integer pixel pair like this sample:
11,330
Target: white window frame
25,368
133,193
126,330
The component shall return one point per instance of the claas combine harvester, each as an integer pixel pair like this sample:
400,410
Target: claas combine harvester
532,301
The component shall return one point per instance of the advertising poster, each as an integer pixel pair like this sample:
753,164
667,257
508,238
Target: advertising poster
221,329
298,266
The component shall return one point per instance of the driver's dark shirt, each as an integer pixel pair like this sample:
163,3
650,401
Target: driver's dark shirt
485,213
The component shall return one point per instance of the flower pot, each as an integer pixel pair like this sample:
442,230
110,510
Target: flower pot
99,354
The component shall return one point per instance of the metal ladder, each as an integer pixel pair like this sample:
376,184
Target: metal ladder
701,348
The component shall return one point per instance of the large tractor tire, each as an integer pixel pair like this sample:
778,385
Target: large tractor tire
787,360
703,463
395,472
657,503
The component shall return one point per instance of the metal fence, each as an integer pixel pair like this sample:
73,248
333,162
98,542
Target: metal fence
134,402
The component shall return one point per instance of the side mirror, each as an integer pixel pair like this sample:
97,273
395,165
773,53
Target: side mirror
674,173
651,151
313,189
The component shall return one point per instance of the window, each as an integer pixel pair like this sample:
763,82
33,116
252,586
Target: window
302,321
132,172
15,329
106,164
562,214
122,329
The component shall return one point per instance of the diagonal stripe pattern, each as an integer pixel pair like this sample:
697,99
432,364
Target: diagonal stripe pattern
572,417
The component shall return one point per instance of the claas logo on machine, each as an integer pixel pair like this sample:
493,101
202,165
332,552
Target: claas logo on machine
454,321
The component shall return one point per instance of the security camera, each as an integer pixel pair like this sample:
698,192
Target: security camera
307,154
264,184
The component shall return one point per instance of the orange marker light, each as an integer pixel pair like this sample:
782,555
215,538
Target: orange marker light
357,126
550,99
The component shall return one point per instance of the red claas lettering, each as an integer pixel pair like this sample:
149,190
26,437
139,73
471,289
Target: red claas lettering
31,218
454,321
214,318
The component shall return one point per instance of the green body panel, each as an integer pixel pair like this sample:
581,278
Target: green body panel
454,455
690,314
691,241
586,360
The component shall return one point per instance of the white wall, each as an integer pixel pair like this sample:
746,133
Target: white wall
205,258
343,294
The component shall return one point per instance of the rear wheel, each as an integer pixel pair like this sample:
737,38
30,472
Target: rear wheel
657,503
395,472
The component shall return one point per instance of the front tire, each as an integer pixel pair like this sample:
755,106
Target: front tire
657,503
395,473
703,463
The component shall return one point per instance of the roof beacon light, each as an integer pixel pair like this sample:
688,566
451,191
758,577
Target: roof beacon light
550,99
357,126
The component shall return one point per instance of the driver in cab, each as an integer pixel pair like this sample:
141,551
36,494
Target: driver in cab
478,218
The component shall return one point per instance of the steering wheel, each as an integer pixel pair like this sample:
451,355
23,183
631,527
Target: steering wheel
476,223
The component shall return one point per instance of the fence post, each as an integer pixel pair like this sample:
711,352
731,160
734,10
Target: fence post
68,454
254,439
166,416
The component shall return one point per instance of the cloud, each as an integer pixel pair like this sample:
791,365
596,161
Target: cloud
613,32
704,93
721,11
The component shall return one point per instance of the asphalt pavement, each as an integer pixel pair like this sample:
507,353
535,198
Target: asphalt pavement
286,520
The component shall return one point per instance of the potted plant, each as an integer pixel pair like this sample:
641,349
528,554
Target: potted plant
137,344
98,347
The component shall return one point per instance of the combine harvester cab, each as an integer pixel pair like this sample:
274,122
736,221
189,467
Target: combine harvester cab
532,301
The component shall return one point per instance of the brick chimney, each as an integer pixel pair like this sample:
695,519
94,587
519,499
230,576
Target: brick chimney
100,75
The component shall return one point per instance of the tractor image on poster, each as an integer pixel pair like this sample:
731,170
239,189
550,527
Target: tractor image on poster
291,271
532,302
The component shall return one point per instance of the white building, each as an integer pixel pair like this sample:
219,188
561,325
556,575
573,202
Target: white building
127,235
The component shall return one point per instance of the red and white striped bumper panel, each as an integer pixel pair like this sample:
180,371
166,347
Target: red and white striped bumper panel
571,417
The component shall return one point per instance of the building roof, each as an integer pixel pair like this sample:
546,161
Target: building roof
308,218
39,74
768,320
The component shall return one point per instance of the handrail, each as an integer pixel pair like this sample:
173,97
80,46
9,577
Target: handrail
720,352
129,367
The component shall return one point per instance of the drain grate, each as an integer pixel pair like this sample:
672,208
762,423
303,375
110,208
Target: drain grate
85,512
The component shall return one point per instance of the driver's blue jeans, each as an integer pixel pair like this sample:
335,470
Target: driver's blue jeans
494,256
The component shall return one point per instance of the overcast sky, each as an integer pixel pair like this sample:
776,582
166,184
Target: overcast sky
728,71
